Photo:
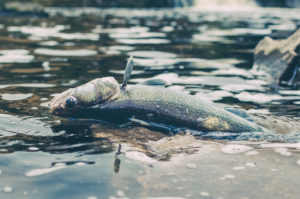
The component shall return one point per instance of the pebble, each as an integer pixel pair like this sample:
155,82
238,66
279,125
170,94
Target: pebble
227,176
80,164
140,172
250,164
250,153
33,148
135,155
60,164
120,193
239,168
191,165
283,151
235,149
7,189
92,197
204,194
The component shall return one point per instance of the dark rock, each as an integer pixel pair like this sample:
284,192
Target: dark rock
278,61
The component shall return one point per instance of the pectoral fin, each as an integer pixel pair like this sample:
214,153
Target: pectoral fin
169,130
213,124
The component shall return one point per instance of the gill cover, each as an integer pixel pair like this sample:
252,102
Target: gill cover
96,91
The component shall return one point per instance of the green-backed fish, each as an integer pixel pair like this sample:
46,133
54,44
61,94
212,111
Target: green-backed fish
105,97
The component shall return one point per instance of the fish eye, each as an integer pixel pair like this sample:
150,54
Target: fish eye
71,102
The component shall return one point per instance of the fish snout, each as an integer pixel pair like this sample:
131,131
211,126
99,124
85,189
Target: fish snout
55,109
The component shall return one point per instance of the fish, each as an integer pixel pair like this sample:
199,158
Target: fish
106,98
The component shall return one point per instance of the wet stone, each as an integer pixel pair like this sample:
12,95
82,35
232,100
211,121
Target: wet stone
277,59
227,177
283,151
7,189
250,153
235,149
92,197
204,193
250,164
33,148
191,166
237,168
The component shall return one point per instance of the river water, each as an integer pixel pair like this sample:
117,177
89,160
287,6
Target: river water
205,53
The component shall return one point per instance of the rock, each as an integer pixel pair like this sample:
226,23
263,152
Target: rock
279,60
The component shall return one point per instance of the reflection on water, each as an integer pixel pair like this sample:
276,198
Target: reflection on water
65,53
15,56
205,53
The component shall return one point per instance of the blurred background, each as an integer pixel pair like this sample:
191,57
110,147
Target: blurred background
157,3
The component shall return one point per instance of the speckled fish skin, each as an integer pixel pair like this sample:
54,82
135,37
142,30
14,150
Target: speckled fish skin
152,103
176,108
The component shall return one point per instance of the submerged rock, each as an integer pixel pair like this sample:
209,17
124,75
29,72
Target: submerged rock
279,60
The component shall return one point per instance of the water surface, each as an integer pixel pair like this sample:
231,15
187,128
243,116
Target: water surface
205,53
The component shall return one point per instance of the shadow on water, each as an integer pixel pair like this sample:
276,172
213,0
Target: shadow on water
81,141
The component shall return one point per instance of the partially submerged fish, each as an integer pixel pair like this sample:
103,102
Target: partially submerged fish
105,98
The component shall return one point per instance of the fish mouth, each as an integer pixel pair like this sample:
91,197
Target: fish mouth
55,110
61,110
56,106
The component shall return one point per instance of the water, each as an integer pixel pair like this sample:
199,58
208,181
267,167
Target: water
225,4
205,53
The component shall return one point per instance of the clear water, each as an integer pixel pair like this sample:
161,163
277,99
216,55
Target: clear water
205,53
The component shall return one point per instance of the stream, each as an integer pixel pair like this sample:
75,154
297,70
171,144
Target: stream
206,53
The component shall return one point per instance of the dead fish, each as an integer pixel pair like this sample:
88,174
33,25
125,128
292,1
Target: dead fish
148,101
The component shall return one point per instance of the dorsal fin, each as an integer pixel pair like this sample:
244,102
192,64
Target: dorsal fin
127,72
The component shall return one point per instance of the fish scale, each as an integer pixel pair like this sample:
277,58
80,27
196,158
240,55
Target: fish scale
176,108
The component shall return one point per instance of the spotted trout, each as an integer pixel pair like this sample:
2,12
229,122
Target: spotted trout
105,97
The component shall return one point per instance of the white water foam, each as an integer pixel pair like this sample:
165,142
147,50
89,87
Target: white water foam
224,4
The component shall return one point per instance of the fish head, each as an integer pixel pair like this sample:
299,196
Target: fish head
63,103
93,93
